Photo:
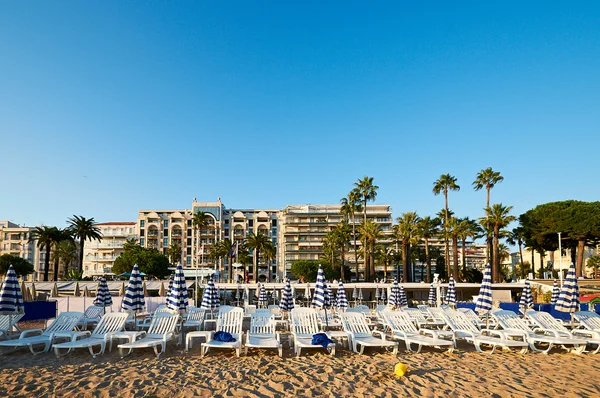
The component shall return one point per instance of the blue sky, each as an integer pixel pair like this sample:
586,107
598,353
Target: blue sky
107,108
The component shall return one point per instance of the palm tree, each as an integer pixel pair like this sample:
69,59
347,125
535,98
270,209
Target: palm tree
59,236
341,238
199,222
130,243
498,218
406,232
367,191
67,252
428,228
257,242
487,178
43,236
516,238
269,254
386,256
174,253
467,228
84,229
350,206
370,233
445,183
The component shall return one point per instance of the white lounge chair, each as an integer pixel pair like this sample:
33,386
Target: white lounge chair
162,330
420,321
262,334
195,318
145,323
546,321
303,325
91,317
327,320
8,323
401,327
62,328
231,322
360,335
539,339
477,321
464,329
108,325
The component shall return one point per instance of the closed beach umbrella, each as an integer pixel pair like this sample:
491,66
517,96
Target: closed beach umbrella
33,292
451,293
393,299
122,289
402,301
307,291
526,301
210,298
360,295
86,292
383,295
11,298
262,296
177,299
76,291
287,302
318,300
377,293
238,295
170,284
245,295
54,292
342,300
568,299
133,300
555,292
355,293
330,297
484,299
23,289
103,298
275,297
431,299
161,290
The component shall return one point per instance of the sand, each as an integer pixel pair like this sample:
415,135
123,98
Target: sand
464,373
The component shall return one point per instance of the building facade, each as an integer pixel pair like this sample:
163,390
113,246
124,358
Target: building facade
15,240
99,256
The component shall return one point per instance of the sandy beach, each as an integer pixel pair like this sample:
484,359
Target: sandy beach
464,373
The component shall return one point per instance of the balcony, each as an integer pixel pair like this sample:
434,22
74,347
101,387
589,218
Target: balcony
115,245
101,258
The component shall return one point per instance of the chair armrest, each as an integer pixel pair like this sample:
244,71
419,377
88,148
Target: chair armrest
81,335
278,336
494,333
432,333
380,333
586,334
31,333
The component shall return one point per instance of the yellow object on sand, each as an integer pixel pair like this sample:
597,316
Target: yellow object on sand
400,369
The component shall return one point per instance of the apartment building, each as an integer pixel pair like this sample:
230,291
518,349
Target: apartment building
99,256
15,240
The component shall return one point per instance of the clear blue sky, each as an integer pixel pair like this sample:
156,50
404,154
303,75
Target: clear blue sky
110,107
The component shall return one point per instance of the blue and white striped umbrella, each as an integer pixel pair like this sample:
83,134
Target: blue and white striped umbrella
318,300
568,300
275,295
134,301
103,298
402,301
287,302
484,299
170,285
329,299
342,300
262,296
555,292
394,294
431,299
177,299
11,298
210,298
451,293
526,296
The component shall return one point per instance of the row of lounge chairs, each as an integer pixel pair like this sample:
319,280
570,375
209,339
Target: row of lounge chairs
417,328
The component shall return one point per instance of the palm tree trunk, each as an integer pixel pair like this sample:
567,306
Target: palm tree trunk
355,247
464,254
372,255
496,264
455,256
255,270
409,261
428,261
541,264
580,250
405,261
446,250
342,263
81,242
47,263
521,251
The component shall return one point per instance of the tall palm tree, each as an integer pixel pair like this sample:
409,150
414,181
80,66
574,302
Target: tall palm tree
84,229
130,243
174,253
257,242
516,237
386,256
199,222
498,217
406,231
428,228
66,251
467,228
367,191
341,238
350,206
44,237
445,183
487,178
269,254
370,233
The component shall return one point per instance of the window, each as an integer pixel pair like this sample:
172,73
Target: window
189,241
189,231
142,223
226,221
188,260
189,223
142,232
250,223
188,251
166,224
165,232
142,242
274,223
165,241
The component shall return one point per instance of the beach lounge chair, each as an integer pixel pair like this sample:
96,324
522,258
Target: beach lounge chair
539,339
91,317
304,325
546,321
108,325
262,334
8,323
229,321
162,330
464,329
420,321
361,335
328,320
63,327
588,320
401,327
195,318
472,316
145,323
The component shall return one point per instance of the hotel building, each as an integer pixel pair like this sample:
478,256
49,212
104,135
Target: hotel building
99,256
